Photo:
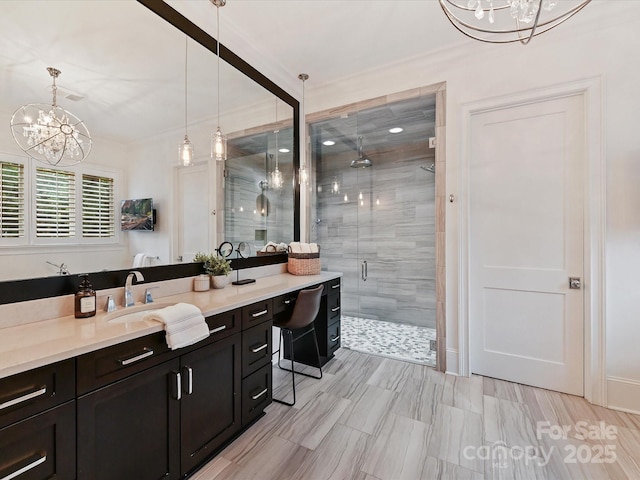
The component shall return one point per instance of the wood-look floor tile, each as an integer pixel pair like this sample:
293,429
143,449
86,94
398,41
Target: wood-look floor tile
399,450
394,374
508,422
436,469
306,388
418,400
502,389
463,392
219,468
452,431
339,457
310,425
368,409
504,463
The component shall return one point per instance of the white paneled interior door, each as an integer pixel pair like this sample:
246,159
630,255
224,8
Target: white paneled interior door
193,211
526,180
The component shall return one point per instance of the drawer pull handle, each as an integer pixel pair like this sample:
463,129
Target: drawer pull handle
261,347
189,380
335,286
335,309
146,352
26,468
260,313
335,339
217,329
258,395
287,302
23,398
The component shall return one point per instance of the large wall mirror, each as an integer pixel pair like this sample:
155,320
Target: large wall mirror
129,69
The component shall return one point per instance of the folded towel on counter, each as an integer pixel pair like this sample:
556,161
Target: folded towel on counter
183,323
305,248
295,247
274,247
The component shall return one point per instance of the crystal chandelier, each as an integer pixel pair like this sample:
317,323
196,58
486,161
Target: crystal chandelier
304,171
185,150
50,134
218,140
507,21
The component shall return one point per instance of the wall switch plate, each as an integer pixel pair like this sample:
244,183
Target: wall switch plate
432,142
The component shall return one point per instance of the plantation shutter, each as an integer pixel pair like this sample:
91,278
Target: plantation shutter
98,214
11,200
55,203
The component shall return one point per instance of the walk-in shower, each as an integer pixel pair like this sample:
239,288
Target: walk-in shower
378,222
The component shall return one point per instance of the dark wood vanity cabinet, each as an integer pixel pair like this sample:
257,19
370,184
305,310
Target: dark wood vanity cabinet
210,405
327,326
38,423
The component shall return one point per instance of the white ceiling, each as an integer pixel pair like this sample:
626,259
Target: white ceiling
130,65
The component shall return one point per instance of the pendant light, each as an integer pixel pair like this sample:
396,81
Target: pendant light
50,134
304,171
218,139
185,150
276,182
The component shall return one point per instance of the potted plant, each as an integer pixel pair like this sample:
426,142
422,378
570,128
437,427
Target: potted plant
217,267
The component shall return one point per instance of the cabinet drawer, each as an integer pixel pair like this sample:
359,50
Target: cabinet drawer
41,447
257,313
224,324
332,286
28,393
108,365
256,347
284,302
333,307
333,338
256,393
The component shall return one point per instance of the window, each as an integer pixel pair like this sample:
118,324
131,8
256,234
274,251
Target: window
98,213
11,200
55,203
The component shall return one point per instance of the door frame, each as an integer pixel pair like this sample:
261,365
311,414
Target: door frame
594,183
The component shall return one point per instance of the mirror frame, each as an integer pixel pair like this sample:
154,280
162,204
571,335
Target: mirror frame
13,291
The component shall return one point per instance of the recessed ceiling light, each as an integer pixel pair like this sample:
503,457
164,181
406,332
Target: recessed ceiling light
395,130
328,143
284,150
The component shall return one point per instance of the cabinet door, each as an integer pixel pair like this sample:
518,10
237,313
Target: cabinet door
210,406
130,429
40,447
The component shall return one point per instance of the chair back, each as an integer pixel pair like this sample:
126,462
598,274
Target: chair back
306,308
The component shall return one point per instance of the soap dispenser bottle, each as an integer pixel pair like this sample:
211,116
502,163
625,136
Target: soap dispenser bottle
85,303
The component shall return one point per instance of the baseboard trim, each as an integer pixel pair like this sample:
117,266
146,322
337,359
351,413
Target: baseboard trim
623,394
452,361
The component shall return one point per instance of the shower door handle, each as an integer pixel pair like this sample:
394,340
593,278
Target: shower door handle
364,270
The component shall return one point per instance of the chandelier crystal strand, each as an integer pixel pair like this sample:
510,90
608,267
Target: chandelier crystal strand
219,140
277,180
508,21
50,134
304,172
186,148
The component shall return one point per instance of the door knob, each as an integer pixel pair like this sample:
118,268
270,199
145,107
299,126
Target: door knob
574,283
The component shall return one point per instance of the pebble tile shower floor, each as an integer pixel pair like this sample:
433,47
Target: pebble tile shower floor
393,340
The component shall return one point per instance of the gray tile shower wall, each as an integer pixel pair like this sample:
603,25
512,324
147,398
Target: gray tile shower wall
392,228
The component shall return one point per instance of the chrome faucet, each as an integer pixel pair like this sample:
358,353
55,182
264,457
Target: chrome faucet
128,294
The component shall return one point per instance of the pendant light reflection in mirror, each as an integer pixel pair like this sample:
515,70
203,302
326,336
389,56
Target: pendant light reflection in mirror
186,147
218,139
304,171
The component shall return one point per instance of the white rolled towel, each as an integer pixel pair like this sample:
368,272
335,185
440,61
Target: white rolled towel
295,247
314,247
305,248
183,323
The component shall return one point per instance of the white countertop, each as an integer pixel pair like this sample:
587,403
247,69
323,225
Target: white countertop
33,345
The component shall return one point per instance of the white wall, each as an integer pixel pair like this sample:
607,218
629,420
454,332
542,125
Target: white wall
582,48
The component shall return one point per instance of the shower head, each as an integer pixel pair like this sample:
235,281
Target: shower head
431,168
361,161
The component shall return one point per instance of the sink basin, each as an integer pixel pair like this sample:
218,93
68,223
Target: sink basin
135,313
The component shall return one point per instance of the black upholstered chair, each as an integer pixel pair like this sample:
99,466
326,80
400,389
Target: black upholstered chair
299,325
